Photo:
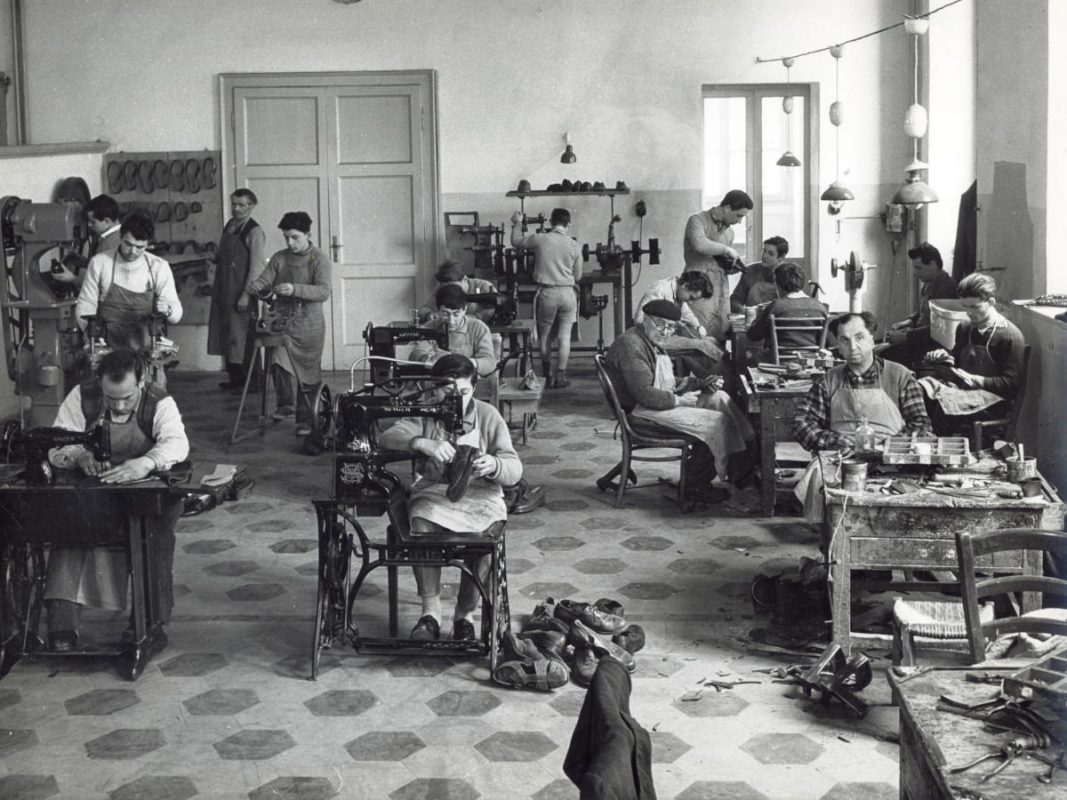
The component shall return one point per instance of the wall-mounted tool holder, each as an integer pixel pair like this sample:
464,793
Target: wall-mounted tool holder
182,191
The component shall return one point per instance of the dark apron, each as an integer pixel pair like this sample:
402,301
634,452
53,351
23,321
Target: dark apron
975,359
228,327
125,311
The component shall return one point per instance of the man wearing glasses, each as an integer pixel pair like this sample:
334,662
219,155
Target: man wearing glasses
656,401
467,336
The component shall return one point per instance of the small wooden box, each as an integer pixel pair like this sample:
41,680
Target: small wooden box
933,450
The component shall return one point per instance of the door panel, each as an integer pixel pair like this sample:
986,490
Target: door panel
376,130
281,130
376,220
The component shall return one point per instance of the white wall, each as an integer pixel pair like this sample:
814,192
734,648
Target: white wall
622,76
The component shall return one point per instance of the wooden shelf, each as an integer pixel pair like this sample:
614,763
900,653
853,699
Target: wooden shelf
592,193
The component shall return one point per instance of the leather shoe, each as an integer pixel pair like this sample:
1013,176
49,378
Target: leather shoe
571,612
549,643
545,622
582,636
463,631
609,606
62,641
460,471
525,674
427,629
522,498
631,639
708,496
520,649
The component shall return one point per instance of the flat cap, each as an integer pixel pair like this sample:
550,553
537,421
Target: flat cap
664,309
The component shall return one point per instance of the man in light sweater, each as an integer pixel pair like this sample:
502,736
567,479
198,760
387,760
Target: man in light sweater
557,269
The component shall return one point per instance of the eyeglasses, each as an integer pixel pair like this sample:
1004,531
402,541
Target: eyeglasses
664,325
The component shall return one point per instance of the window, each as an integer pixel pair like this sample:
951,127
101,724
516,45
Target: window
745,133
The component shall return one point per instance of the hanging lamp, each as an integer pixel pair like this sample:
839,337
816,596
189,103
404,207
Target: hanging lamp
837,192
568,156
788,159
915,192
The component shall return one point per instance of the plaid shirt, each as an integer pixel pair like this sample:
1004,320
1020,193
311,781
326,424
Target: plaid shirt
812,424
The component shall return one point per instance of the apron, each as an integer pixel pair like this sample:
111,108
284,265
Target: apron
957,400
707,424
124,311
481,505
96,576
848,408
228,327
302,325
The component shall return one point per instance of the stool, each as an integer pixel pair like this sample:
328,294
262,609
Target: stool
264,342
341,537
510,399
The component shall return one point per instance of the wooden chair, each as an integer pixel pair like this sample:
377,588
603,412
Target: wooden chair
806,325
634,441
963,625
1005,424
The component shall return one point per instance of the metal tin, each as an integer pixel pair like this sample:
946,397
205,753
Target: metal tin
1021,469
853,476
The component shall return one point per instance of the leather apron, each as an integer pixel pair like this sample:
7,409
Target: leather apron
975,359
301,323
710,426
481,505
228,327
848,407
125,310
97,576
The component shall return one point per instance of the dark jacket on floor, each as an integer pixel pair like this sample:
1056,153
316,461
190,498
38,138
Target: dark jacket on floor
610,756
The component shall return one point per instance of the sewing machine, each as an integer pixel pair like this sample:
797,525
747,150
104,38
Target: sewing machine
42,343
382,341
150,339
37,442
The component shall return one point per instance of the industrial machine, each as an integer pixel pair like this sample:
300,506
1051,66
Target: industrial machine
382,342
42,342
853,270
37,442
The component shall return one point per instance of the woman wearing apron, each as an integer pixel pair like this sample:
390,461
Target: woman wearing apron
988,359
481,505
300,277
238,262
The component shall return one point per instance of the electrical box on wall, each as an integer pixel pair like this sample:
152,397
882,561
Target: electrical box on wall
894,218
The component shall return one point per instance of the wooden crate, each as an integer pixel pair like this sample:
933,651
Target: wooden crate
933,450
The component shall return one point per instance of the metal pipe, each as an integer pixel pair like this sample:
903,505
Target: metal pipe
18,49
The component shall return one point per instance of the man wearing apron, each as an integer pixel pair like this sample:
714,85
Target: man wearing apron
482,504
864,387
708,235
147,435
655,400
238,262
124,287
984,372
557,270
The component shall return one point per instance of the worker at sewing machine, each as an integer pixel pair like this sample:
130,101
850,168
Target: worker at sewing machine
757,284
909,339
791,301
557,270
864,388
467,335
451,273
486,458
983,373
707,245
298,280
147,435
126,286
643,375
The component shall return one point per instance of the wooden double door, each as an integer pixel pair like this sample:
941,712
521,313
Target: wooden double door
356,151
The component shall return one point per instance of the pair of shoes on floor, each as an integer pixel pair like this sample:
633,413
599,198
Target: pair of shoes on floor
62,641
522,498
600,616
428,629
533,660
283,412
708,496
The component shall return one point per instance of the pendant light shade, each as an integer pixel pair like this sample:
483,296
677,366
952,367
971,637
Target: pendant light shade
836,192
568,156
788,160
914,192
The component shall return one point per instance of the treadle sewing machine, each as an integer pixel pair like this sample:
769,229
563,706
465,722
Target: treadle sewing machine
150,338
382,342
364,486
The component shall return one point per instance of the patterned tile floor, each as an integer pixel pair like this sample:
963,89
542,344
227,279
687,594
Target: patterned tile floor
227,710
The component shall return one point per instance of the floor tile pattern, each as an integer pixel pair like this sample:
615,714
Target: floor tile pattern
227,711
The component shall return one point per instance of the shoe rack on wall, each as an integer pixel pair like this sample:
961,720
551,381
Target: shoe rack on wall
182,192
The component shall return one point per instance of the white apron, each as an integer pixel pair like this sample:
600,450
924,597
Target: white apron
707,423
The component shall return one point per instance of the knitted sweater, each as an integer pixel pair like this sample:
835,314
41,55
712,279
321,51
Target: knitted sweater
631,363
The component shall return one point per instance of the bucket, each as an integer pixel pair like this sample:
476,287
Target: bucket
1021,469
853,476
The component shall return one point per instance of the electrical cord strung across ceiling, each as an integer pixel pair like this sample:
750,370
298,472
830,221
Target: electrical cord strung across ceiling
858,38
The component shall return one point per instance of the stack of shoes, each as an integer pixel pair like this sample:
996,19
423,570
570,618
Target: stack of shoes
533,660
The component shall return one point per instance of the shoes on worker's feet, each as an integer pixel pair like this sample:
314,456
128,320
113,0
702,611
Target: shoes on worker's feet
570,611
561,381
522,498
463,631
303,429
427,629
707,496
62,641
283,412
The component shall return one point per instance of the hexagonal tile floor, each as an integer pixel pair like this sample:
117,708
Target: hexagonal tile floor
227,710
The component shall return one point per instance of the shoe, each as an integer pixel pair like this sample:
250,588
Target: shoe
561,381
549,643
542,675
231,386
283,412
62,641
517,648
609,606
584,666
630,639
460,471
463,631
303,430
522,498
572,612
582,636
708,496
427,629
545,622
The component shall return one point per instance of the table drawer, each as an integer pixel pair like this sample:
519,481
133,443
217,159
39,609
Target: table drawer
907,552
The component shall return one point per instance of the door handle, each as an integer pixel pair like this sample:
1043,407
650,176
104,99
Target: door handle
335,248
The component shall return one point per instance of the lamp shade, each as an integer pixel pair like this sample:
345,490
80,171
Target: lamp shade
914,192
568,156
788,160
837,191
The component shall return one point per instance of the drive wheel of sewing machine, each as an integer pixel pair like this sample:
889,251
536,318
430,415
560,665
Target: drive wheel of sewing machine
11,442
335,548
321,412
